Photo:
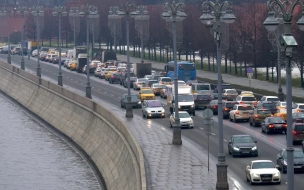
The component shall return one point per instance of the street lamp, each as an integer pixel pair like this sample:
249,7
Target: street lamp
22,11
60,12
8,11
74,21
287,42
87,11
114,23
128,10
38,12
94,26
142,26
221,12
174,13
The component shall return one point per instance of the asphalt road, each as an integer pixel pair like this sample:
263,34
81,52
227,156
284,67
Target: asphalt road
268,145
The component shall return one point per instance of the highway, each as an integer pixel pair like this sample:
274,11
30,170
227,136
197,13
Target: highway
268,145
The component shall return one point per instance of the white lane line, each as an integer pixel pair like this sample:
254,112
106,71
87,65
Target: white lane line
105,92
71,79
112,94
76,81
92,86
81,83
201,128
212,133
225,140
98,89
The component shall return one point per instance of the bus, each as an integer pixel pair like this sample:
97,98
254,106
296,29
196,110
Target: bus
185,70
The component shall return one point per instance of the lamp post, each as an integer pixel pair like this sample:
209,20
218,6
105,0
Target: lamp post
94,26
22,11
128,10
221,13
142,26
114,23
8,11
87,11
287,42
74,21
174,13
60,12
38,12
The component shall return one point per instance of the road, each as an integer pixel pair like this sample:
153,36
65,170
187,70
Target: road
268,145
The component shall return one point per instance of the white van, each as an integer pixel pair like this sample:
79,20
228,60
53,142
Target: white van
70,54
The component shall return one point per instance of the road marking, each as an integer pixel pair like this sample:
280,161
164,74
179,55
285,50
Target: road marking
212,133
105,92
67,77
76,81
98,89
71,79
112,94
81,83
201,128
92,86
225,140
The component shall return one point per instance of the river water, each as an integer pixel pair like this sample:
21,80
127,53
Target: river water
32,157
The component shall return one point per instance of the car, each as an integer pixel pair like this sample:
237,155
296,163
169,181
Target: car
73,66
132,80
199,86
63,60
267,105
43,56
55,60
201,100
145,93
180,82
270,99
114,78
157,88
165,80
149,83
51,59
153,108
227,106
124,77
298,117
108,75
135,101
258,116
34,53
185,119
138,83
299,107
239,145
97,72
103,73
282,112
262,171
247,97
156,77
213,106
240,112
148,77
298,160
16,51
273,124
230,94
297,132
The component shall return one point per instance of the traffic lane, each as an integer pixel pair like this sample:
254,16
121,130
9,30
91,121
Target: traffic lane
196,133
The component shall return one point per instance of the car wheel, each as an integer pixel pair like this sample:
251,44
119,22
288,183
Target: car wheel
254,124
267,130
234,119
250,123
229,150
284,171
121,105
170,125
193,113
143,114
246,177
230,118
250,181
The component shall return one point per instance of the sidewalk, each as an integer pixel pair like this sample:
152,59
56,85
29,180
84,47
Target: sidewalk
171,167
298,92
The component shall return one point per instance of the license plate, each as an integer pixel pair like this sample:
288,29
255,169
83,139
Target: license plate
278,126
266,178
297,166
245,152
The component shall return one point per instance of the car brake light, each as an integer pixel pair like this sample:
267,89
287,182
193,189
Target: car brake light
271,125
284,125
241,102
298,111
226,109
113,77
208,99
255,103
215,106
237,112
294,132
162,82
255,116
170,83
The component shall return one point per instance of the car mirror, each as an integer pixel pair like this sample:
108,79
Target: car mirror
229,142
173,101
255,141
248,167
280,157
163,105
277,166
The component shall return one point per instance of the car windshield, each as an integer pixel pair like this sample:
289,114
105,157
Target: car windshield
299,127
187,67
301,106
185,98
276,120
152,104
263,112
203,87
157,86
147,92
152,81
98,69
141,80
166,79
200,97
242,139
184,115
134,97
231,92
298,154
156,77
273,99
300,115
262,165
248,98
230,105
244,108
269,105
182,82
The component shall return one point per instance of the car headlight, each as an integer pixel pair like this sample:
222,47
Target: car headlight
255,175
179,107
139,102
163,110
254,148
148,111
285,163
236,148
276,174
191,121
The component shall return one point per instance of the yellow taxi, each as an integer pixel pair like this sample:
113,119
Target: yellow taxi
108,75
73,66
146,93
281,112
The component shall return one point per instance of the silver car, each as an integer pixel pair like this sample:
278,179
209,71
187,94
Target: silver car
97,72
139,83
153,108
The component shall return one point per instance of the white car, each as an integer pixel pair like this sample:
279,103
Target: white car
299,107
263,171
35,53
185,119
153,108
240,112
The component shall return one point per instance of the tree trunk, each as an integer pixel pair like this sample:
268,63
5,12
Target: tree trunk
267,72
209,66
202,65
245,68
230,64
213,62
226,58
235,67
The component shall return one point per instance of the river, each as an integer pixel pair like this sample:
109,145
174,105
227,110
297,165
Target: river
33,157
